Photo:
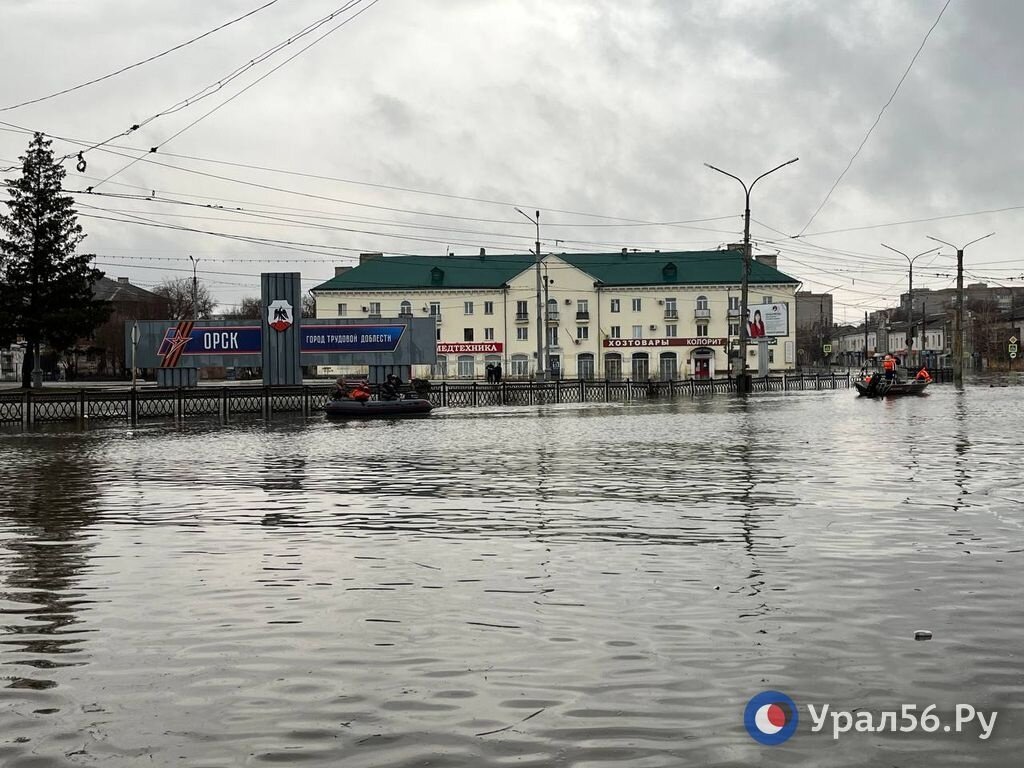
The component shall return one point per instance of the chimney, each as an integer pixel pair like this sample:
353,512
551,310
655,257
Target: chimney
341,270
365,257
624,252
122,279
483,252
771,259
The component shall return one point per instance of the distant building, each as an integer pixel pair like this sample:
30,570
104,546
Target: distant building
104,353
813,326
669,315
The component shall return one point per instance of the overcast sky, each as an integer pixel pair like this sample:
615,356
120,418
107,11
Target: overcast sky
572,107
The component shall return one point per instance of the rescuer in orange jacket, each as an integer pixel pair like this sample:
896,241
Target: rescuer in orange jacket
923,375
361,391
889,366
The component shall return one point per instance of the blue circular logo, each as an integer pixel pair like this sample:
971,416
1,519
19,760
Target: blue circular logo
770,718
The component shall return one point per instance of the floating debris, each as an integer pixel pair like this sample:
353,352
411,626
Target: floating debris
922,634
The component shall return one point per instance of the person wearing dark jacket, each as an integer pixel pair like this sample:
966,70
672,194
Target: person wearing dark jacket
389,389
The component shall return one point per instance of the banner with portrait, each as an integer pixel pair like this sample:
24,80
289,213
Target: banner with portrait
767,321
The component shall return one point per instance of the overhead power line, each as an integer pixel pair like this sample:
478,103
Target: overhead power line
877,119
122,70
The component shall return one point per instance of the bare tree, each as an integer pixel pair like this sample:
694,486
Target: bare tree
178,292
308,305
249,308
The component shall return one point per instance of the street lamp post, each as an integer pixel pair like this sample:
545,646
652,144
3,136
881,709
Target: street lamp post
541,359
743,384
958,331
195,288
135,346
910,293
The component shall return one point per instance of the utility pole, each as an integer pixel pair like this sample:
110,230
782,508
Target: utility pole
547,331
958,330
541,365
865,339
195,288
910,293
743,383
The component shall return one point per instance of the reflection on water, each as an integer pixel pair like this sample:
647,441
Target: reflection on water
561,585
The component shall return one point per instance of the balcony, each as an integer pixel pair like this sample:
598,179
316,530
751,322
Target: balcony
552,315
583,317
701,314
436,316
374,316
734,311
671,314
522,317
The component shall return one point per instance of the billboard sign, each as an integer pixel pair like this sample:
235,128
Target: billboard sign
351,338
672,341
767,321
184,338
468,347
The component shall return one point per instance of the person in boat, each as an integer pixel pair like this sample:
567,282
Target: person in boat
889,366
361,391
389,389
923,375
341,390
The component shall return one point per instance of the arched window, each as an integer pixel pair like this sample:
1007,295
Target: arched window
668,366
552,310
585,366
702,302
406,308
641,366
467,366
613,366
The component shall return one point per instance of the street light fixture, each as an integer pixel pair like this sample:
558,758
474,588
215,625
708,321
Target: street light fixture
195,288
743,384
910,293
958,333
541,357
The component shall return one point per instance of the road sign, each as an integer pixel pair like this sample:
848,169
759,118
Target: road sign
1013,349
1013,355
1013,339
827,349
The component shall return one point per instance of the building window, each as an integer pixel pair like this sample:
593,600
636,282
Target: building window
771,355
766,299
438,334
520,366
467,308
552,336
671,330
440,368
522,334
734,329
405,308
667,366
582,307
582,332
616,332
467,366
615,305
435,309
702,330
641,366
522,309
375,308
638,331
585,366
488,334
636,305
342,310
613,367
702,302
488,307
734,303
467,334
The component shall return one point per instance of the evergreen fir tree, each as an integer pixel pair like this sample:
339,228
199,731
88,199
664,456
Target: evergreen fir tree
46,288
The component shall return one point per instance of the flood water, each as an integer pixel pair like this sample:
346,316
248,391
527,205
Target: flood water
554,586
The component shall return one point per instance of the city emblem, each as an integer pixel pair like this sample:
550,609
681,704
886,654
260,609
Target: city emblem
279,315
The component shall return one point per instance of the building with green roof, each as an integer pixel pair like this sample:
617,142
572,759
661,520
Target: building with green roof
638,315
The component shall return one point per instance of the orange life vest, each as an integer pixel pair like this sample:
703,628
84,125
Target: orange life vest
889,365
923,375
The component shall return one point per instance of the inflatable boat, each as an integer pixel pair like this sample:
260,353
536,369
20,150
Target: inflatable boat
378,409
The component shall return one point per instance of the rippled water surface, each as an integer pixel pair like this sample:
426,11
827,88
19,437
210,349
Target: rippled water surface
568,585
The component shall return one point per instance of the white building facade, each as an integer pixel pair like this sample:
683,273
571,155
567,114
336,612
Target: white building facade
662,316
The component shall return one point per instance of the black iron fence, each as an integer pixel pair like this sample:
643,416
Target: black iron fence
103,405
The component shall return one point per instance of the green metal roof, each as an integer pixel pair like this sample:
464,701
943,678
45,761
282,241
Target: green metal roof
673,268
659,268
424,272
